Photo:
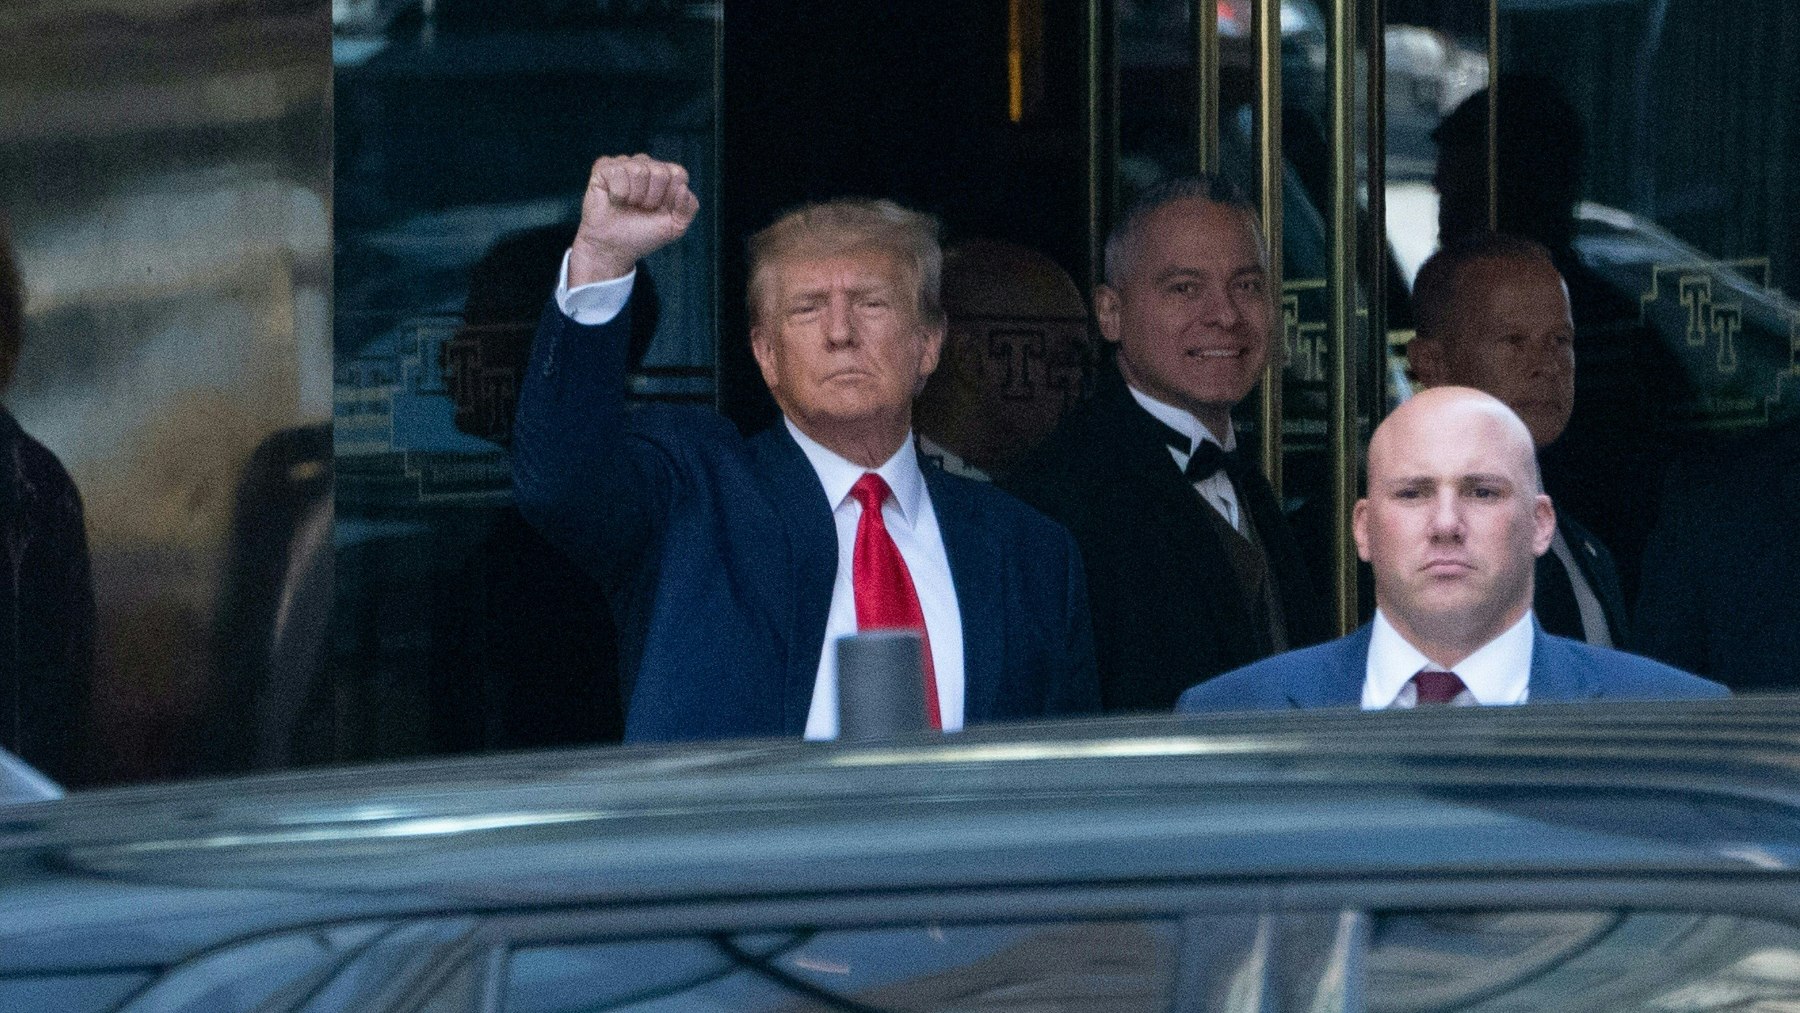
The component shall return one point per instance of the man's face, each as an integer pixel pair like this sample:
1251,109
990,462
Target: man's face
841,345
1191,314
1511,335
1453,521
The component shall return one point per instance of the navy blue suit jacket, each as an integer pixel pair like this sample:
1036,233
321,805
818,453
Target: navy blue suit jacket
718,555
1332,674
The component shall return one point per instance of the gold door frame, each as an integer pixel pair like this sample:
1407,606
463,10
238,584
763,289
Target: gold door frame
1268,174
1340,403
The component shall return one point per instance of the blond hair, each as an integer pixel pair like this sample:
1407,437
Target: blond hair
847,225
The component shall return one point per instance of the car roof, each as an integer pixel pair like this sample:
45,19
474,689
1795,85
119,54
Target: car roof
1702,787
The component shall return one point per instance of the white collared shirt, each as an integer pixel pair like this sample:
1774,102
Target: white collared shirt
1215,489
595,303
912,523
1498,673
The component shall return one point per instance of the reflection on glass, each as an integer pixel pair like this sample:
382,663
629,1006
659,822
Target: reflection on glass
166,174
464,135
1115,967
1581,962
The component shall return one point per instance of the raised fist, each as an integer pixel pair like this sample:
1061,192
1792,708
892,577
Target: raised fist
634,206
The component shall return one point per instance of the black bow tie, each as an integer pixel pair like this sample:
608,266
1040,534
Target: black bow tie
1206,460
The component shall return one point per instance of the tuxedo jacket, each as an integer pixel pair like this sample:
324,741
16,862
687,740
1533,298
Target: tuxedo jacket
1332,675
1167,609
718,555
1553,597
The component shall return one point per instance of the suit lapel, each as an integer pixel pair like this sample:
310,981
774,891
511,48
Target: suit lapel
799,500
1597,569
1301,610
1557,671
976,571
1338,680
1553,598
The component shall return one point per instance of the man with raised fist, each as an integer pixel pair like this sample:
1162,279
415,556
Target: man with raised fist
733,564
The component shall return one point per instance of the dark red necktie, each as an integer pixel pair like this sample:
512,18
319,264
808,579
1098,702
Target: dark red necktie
885,598
1437,687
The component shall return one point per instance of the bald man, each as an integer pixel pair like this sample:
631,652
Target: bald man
1452,526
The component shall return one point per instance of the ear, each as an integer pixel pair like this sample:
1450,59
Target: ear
761,347
1429,364
1544,518
932,352
1106,311
931,348
1359,528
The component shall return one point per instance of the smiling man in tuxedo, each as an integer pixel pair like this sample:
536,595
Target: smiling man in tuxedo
1192,566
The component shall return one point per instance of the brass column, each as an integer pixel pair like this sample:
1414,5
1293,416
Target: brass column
1099,111
1375,258
1269,166
1205,16
1341,408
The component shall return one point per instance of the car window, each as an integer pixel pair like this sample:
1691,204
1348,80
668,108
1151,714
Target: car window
71,993
254,973
1579,961
389,965
1112,966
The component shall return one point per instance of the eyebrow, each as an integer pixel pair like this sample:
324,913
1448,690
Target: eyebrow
1494,478
818,291
1193,272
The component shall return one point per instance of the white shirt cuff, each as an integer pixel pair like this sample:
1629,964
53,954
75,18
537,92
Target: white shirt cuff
595,303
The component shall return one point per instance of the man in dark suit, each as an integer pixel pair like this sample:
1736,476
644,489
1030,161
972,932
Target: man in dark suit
1721,592
1493,314
1192,567
1452,524
732,565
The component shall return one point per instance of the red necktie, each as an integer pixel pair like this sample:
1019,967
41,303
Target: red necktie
885,598
1437,687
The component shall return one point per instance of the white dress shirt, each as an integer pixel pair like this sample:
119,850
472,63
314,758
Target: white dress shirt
1216,488
911,522
913,525
1498,673
595,303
